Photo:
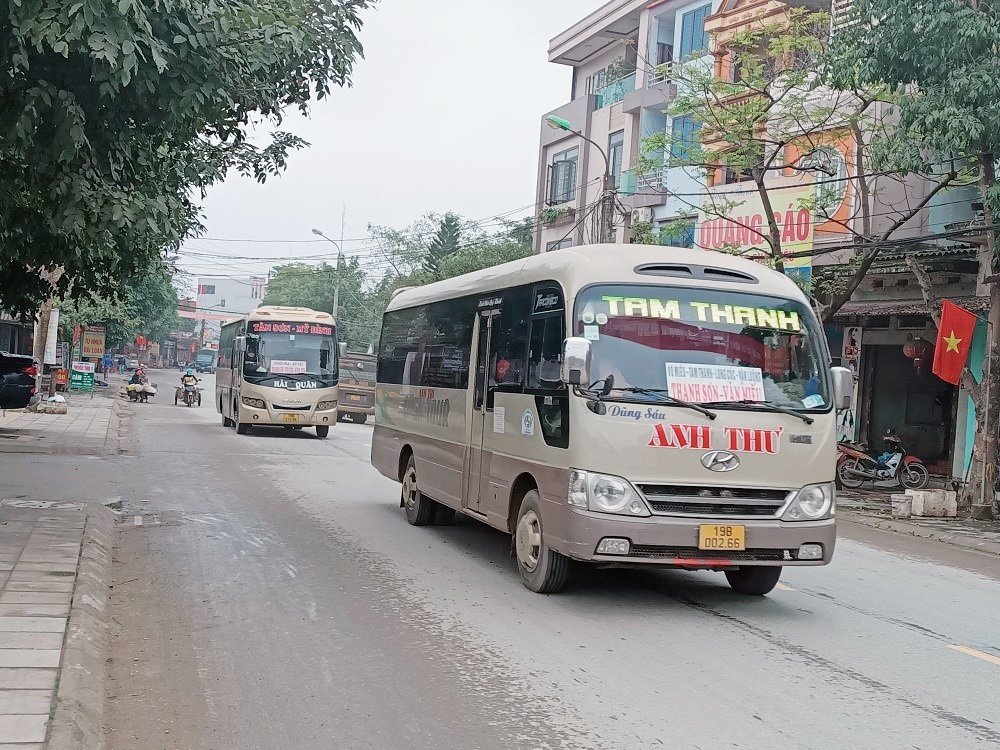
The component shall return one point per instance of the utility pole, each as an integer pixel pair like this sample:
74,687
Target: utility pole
609,190
340,257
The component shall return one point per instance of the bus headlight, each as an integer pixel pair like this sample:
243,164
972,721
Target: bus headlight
256,403
326,405
812,503
604,493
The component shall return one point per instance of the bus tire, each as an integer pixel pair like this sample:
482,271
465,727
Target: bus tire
242,428
542,570
359,418
418,507
754,581
323,430
443,515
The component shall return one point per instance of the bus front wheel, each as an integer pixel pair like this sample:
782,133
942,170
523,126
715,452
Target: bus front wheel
418,507
323,430
542,570
242,428
753,581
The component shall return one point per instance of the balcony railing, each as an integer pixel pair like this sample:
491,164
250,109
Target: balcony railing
648,181
662,73
614,92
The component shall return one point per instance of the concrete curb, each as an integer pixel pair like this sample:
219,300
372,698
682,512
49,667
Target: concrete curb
79,711
902,527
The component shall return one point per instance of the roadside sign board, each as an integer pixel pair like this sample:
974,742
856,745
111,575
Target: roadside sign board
81,377
93,342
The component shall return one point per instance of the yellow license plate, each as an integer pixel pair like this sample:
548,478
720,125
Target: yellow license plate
291,417
355,398
719,537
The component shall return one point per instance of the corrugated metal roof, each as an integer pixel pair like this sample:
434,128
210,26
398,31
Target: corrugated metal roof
869,309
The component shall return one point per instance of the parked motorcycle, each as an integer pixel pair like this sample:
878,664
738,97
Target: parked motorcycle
855,465
189,394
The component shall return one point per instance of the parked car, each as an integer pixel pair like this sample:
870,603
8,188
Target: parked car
17,381
133,364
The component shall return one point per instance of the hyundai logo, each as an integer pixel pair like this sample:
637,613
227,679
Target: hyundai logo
720,461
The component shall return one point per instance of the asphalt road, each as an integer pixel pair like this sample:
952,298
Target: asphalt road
274,596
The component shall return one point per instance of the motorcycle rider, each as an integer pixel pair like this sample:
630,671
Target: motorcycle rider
189,378
138,377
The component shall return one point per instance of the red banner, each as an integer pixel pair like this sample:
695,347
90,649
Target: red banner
953,342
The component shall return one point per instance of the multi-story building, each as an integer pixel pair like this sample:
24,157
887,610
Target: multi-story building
625,60
227,297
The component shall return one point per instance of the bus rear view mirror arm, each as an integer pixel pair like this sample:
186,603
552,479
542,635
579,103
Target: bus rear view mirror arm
576,361
843,388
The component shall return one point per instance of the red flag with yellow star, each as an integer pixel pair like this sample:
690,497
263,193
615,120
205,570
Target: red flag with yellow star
953,342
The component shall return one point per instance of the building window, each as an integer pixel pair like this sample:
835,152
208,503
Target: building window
616,152
693,36
206,289
829,169
685,132
558,244
562,176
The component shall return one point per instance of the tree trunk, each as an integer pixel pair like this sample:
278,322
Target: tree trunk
984,451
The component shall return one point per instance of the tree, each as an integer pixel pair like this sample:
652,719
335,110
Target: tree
445,243
303,285
149,307
768,112
116,116
948,103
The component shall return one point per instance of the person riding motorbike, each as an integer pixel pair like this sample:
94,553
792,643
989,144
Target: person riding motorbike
138,377
189,378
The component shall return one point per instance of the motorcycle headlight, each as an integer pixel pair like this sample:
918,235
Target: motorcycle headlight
604,493
812,503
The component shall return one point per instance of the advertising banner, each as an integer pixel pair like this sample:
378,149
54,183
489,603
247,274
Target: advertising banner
50,356
93,342
731,218
81,376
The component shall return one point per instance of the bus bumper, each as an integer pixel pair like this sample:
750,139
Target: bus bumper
672,541
274,417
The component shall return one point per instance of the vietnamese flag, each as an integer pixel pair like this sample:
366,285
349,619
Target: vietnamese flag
953,342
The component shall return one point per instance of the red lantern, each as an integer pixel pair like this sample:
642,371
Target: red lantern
919,350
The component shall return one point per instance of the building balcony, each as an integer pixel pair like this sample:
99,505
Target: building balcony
614,92
633,182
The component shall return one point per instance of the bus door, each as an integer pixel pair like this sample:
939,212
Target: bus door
477,484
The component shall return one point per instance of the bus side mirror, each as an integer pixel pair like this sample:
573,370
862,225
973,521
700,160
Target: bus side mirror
240,343
342,348
843,388
576,361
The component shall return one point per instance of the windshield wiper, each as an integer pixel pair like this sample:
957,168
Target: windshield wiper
768,406
664,395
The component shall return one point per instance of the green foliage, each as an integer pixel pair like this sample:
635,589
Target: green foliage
426,251
115,116
939,59
445,243
147,307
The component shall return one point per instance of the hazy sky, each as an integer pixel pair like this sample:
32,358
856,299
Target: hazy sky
443,116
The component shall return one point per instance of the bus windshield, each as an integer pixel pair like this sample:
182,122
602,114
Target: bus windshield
290,352
704,346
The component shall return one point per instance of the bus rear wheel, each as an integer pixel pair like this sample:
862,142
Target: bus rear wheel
418,507
542,570
753,581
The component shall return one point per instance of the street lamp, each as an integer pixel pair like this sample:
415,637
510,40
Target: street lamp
336,290
609,190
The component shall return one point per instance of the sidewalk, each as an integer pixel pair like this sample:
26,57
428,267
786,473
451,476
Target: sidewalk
874,509
55,567
91,426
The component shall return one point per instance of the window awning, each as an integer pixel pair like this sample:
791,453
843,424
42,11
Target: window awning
874,309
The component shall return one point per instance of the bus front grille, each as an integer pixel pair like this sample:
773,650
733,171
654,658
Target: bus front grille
681,500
